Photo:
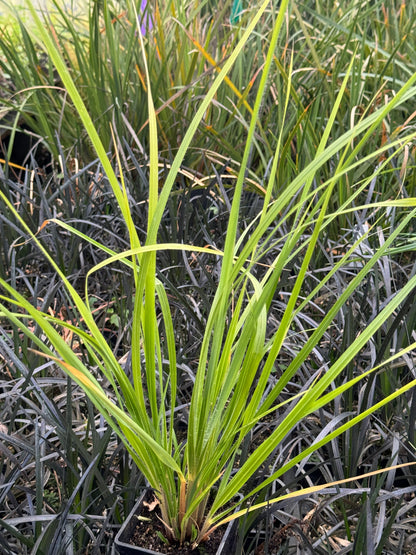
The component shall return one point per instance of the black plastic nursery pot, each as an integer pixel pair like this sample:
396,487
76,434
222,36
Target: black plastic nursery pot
139,519
25,143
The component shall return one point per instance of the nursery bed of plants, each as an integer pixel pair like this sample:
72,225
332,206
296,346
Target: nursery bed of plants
207,275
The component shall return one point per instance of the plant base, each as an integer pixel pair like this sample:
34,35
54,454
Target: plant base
141,536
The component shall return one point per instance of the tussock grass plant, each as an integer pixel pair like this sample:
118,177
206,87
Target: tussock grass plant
313,61
238,382
185,49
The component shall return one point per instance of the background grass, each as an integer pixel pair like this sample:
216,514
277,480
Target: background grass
62,469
